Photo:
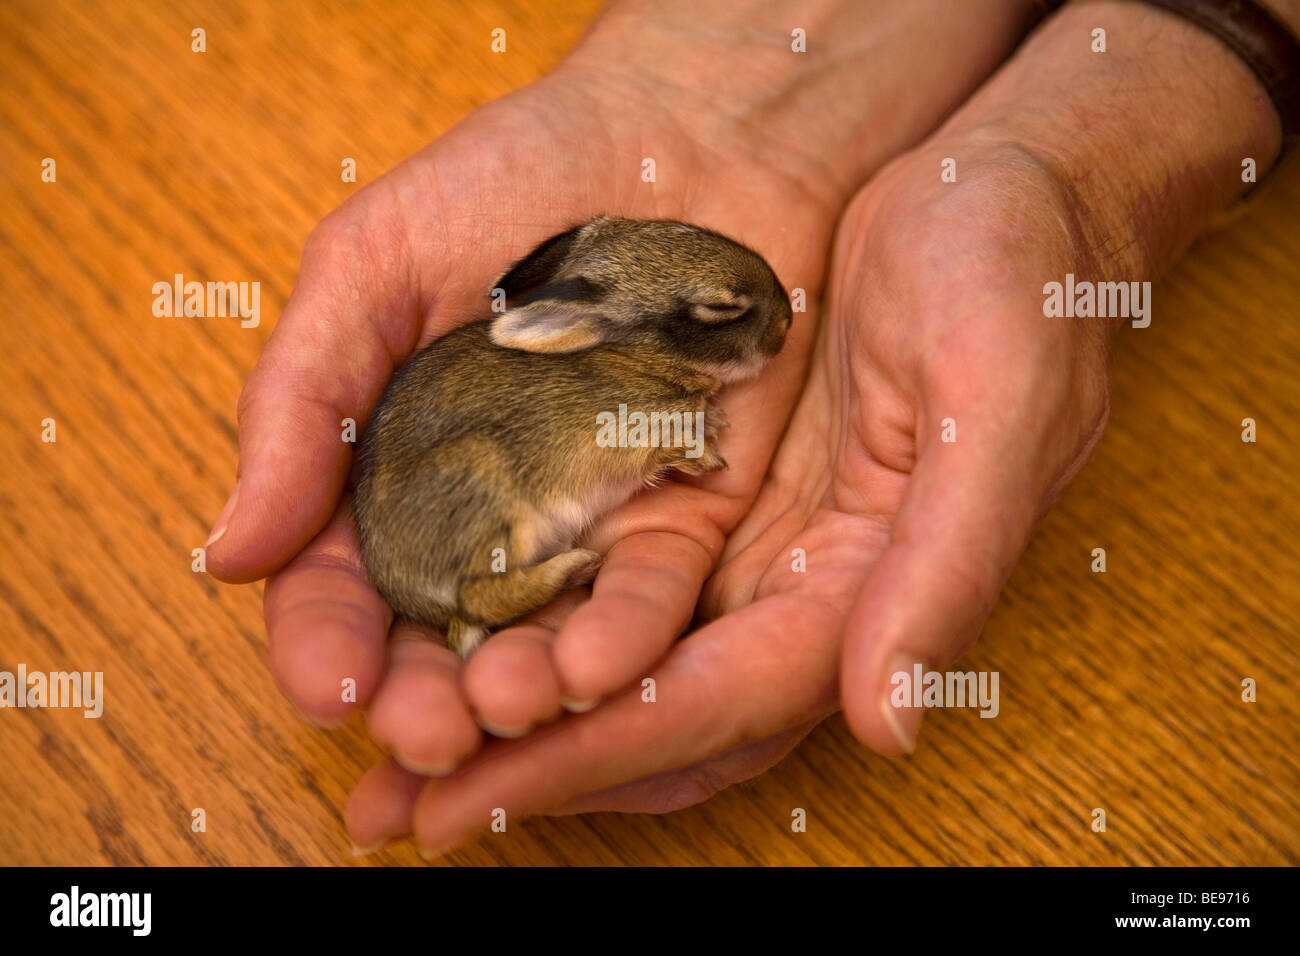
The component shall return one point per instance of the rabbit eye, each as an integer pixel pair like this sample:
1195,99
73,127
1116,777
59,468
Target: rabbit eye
720,311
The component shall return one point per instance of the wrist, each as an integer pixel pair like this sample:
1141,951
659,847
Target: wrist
864,90
1146,140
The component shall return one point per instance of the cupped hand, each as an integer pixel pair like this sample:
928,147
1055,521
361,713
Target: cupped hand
941,415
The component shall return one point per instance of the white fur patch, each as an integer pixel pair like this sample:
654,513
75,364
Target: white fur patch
471,637
735,371
564,522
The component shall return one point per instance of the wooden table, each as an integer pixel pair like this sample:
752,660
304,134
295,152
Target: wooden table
1119,690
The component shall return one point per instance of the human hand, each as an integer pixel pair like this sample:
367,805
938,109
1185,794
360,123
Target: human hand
935,311
412,256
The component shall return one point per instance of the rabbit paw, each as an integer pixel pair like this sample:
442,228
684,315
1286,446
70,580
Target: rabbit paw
709,461
714,421
581,566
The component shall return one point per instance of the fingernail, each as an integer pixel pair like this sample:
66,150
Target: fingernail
430,856
426,770
223,519
904,720
508,733
578,706
359,852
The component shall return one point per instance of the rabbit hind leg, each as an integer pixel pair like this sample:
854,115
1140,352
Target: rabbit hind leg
491,600
463,636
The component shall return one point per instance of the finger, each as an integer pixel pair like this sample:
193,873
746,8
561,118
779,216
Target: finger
510,682
352,314
642,600
967,513
738,681
379,809
419,712
326,625
678,789
431,704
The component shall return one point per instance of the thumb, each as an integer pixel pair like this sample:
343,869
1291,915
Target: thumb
969,508
353,311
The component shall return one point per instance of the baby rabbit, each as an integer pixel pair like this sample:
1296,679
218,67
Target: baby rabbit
494,447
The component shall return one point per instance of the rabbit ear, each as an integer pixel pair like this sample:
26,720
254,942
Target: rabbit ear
539,266
549,325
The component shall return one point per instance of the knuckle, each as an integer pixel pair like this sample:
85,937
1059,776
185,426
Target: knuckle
691,787
329,242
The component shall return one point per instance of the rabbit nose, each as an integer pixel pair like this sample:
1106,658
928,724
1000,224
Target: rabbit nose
783,325
775,337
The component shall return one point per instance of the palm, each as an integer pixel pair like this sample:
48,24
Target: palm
926,385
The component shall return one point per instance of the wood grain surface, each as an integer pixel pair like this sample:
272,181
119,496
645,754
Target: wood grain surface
1119,691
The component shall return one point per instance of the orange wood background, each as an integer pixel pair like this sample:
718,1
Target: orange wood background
1119,690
